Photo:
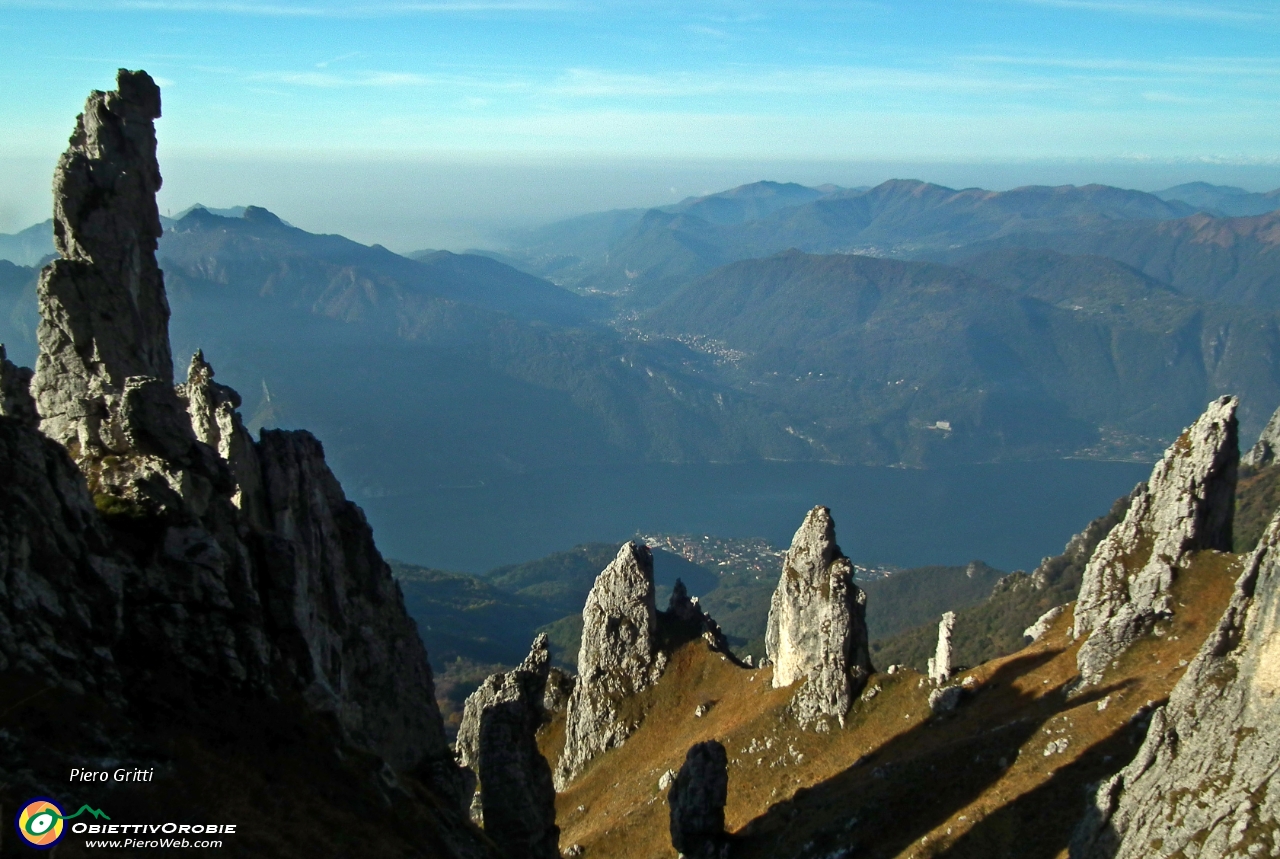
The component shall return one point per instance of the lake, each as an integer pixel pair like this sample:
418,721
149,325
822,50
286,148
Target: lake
1007,514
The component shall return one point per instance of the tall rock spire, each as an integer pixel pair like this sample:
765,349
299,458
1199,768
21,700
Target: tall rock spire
1203,783
817,628
1187,505
103,313
618,658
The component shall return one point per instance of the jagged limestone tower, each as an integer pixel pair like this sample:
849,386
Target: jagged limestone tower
940,662
1203,783
498,741
618,658
817,628
1186,506
104,317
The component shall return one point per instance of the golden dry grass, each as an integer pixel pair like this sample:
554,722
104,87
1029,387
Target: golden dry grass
895,782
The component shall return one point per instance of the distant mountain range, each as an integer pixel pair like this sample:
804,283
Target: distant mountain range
902,324
644,254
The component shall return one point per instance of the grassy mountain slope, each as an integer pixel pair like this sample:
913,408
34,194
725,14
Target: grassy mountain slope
993,628
894,782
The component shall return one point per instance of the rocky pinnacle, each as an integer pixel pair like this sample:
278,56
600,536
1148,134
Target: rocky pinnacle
817,629
103,313
1203,783
498,741
1187,505
618,658
940,662
1266,448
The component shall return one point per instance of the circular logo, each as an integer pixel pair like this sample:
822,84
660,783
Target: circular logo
40,823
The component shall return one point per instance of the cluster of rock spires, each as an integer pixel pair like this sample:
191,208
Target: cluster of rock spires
817,629
1186,506
153,552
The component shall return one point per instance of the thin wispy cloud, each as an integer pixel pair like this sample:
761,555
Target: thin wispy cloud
1166,9
739,80
1194,66
278,10
326,63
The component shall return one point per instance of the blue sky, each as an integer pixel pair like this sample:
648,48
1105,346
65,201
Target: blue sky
463,111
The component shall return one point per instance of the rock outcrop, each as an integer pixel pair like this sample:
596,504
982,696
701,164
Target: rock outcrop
940,662
498,741
619,657
1266,448
1034,632
15,392
817,629
1187,505
1203,783
216,422
697,800
686,610
154,559
104,316
341,623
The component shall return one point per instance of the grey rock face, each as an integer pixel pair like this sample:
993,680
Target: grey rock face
212,409
697,800
619,657
1203,784
15,392
945,699
126,570
817,628
940,663
498,740
1187,505
104,316
559,687
350,639
684,609
61,592
1034,632
1265,449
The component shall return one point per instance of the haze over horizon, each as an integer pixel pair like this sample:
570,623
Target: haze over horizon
441,124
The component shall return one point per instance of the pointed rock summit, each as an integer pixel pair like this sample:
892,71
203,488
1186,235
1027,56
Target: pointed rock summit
1267,447
104,317
129,570
940,662
498,741
1186,506
216,422
1203,784
817,629
618,658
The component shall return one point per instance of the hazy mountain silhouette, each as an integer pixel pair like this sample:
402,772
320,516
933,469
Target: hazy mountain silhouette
662,248
1223,199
